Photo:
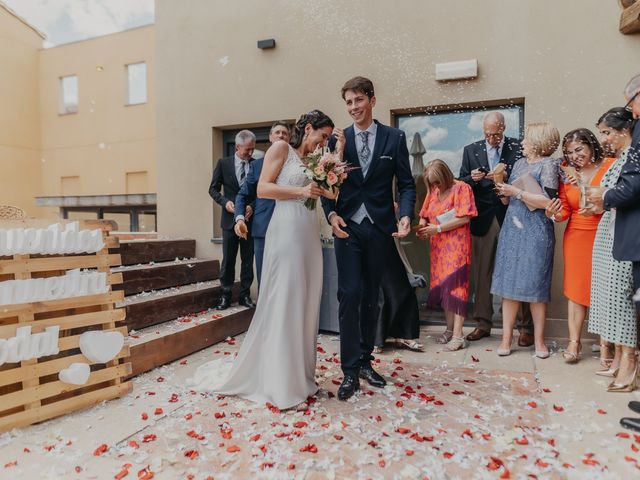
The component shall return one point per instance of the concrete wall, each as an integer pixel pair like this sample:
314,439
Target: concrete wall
20,174
106,139
567,59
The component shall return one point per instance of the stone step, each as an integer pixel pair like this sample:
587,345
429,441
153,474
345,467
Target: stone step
161,275
134,252
165,343
151,308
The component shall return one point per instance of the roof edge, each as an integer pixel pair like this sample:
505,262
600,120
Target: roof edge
11,12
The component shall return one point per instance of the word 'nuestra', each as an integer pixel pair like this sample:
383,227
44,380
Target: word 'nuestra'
53,240
74,283
25,346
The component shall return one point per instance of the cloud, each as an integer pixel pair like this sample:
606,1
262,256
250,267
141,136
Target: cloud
511,118
70,20
431,135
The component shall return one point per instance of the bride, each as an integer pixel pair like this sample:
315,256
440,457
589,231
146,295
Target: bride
277,360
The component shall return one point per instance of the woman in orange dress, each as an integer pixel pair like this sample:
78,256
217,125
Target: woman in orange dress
583,167
444,220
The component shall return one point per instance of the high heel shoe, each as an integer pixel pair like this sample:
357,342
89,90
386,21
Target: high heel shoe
606,355
570,357
609,372
632,385
504,352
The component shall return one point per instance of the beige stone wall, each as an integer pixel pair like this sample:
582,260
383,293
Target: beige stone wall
107,139
20,176
567,59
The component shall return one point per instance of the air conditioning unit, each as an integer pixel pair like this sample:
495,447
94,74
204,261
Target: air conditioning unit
457,70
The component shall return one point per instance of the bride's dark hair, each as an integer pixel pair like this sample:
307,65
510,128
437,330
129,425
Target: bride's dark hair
315,118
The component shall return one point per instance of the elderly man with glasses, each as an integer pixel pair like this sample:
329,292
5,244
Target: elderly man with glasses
625,198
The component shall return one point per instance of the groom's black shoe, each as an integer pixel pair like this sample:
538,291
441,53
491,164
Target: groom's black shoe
635,406
631,423
370,375
349,386
225,302
246,302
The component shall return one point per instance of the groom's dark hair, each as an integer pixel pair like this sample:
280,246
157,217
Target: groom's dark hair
359,84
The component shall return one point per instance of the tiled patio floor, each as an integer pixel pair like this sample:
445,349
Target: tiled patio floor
467,414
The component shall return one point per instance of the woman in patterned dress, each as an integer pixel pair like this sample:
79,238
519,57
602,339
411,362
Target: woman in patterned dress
524,258
583,153
444,220
612,314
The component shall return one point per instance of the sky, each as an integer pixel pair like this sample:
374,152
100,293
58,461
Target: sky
64,21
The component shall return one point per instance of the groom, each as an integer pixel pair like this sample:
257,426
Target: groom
363,222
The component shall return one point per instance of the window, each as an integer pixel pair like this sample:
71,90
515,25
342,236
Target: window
136,83
445,131
68,95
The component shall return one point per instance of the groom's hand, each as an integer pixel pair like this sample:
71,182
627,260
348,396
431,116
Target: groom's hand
337,222
404,227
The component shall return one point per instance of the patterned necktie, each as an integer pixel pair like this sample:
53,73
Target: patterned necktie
364,152
243,172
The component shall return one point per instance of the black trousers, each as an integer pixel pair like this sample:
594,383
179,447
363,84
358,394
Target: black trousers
231,243
636,291
361,260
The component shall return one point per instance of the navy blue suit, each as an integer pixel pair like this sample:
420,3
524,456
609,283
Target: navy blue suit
361,256
262,210
625,198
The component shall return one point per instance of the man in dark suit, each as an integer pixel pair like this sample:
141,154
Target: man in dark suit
625,198
479,159
363,221
229,175
263,206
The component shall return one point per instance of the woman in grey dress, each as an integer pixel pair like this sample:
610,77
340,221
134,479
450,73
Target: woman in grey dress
612,314
524,258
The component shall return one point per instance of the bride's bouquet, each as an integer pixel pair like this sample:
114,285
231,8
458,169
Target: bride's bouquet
327,170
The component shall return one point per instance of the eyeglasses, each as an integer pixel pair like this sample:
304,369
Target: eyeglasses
627,107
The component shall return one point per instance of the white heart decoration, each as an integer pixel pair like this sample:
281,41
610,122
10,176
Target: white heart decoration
100,347
75,374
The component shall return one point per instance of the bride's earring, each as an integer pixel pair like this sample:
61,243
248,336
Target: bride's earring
305,136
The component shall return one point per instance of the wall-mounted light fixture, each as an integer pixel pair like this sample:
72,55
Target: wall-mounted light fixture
266,44
457,70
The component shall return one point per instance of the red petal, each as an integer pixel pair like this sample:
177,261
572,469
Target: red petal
100,450
474,359
623,435
158,411
233,449
522,441
533,404
11,464
144,416
602,412
558,408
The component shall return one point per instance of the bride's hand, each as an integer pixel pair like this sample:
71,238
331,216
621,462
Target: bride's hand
340,140
331,193
311,191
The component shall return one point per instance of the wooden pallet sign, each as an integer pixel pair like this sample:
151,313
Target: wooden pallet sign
49,364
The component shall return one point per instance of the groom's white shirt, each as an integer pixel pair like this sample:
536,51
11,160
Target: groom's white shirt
362,213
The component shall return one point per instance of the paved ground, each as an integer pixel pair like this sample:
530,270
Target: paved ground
467,414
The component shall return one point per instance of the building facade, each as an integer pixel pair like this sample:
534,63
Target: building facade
564,62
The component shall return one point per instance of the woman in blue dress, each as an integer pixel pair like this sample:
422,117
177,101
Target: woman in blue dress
524,258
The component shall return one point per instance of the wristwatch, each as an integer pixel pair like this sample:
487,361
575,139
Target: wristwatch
439,228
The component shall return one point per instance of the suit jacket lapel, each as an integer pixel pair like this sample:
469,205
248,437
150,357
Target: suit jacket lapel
382,134
483,156
232,172
351,153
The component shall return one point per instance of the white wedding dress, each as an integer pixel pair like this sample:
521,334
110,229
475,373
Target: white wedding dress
277,359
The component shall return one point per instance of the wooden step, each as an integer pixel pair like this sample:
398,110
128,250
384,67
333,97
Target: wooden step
157,276
165,343
151,308
134,252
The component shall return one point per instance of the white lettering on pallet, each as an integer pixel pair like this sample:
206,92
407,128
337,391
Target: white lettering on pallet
25,346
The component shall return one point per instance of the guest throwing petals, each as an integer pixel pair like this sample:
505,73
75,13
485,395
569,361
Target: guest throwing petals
583,168
444,220
524,259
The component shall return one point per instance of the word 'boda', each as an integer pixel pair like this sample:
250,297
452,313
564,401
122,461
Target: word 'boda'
25,346
52,240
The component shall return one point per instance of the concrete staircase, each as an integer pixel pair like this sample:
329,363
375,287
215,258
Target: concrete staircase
168,297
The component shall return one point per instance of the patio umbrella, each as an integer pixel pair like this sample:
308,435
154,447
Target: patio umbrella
417,152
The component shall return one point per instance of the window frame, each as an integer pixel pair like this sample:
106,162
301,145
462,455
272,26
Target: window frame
127,102
62,109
